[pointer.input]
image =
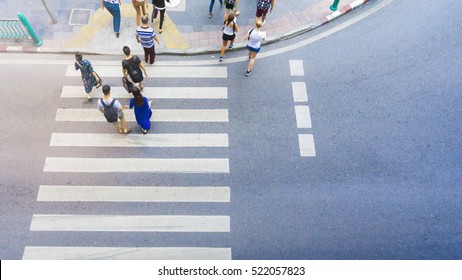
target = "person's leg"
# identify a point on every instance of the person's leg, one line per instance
(117, 127)
(146, 54)
(125, 128)
(252, 55)
(263, 17)
(152, 54)
(223, 47)
(162, 15)
(116, 19)
(138, 13)
(212, 2)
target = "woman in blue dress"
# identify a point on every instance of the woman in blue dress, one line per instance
(143, 111)
(89, 77)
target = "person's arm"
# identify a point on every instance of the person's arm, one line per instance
(236, 27)
(157, 40)
(144, 69)
(102, 4)
(272, 6)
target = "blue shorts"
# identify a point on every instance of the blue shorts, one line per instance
(253, 49)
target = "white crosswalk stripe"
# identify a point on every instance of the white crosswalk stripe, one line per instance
(158, 115)
(205, 164)
(137, 165)
(154, 92)
(160, 72)
(130, 223)
(125, 253)
(137, 140)
(134, 193)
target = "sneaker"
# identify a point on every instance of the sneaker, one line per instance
(221, 58)
(144, 131)
(263, 23)
(231, 46)
(210, 15)
(247, 73)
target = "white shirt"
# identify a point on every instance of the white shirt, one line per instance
(255, 39)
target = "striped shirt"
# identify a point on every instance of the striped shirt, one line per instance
(146, 36)
(112, 1)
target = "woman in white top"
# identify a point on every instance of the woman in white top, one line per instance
(254, 38)
(229, 34)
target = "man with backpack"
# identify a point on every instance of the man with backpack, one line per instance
(113, 110)
(132, 66)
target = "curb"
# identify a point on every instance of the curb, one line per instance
(195, 51)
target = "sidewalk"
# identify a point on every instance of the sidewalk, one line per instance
(83, 26)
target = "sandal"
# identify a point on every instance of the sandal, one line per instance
(128, 130)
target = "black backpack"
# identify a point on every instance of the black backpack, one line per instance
(134, 71)
(110, 112)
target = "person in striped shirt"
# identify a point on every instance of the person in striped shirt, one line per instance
(146, 36)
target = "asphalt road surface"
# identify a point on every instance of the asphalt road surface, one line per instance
(344, 148)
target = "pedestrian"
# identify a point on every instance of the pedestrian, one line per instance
(233, 6)
(132, 66)
(146, 36)
(113, 111)
(230, 29)
(159, 6)
(140, 8)
(263, 6)
(254, 38)
(212, 3)
(90, 78)
(143, 110)
(113, 6)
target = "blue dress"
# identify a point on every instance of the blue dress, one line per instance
(142, 113)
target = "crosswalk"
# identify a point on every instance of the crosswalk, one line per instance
(209, 162)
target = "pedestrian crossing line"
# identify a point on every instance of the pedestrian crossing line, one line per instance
(207, 194)
(160, 71)
(125, 253)
(154, 92)
(138, 140)
(139, 165)
(130, 223)
(158, 115)
(303, 116)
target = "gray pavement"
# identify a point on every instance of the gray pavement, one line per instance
(83, 26)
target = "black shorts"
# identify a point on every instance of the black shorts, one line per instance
(227, 37)
(229, 6)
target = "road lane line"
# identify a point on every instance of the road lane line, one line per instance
(299, 92)
(137, 165)
(303, 116)
(130, 223)
(158, 115)
(139, 140)
(306, 144)
(125, 253)
(134, 193)
(296, 68)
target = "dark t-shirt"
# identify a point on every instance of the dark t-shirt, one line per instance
(133, 68)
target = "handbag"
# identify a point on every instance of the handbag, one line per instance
(98, 82)
(128, 85)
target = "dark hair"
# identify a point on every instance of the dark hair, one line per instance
(145, 19)
(78, 56)
(139, 100)
(126, 50)
(106, 89)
